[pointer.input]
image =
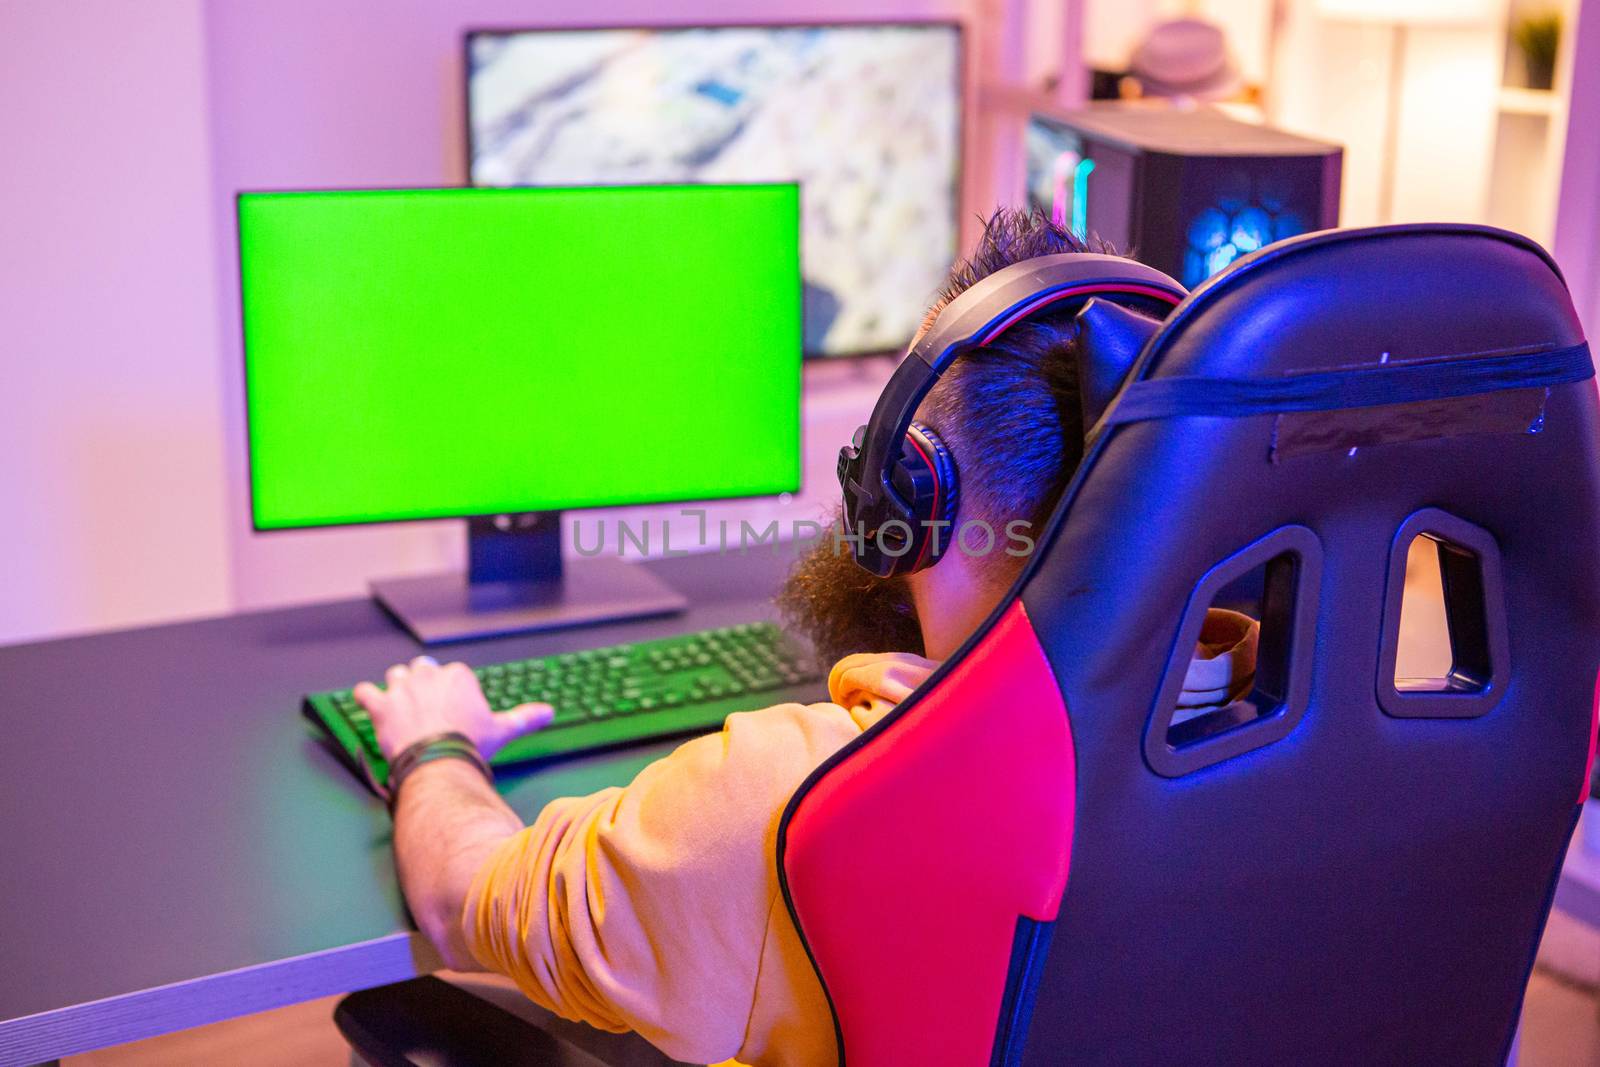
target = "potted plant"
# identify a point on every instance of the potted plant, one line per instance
(1537, 37)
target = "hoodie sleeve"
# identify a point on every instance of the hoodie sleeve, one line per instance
(646, 907)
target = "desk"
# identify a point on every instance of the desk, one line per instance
(179, 848)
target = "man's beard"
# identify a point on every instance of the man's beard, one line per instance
(843, 608)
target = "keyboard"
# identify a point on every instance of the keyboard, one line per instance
(611, 696)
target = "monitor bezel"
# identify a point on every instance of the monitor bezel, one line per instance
(964, 105)
(244, 355)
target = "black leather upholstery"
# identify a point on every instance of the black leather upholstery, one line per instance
(1367, 889)
(476, 1022)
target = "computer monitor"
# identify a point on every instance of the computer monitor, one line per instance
(865, 116)
(503, 354)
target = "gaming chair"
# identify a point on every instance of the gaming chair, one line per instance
(1028, 863)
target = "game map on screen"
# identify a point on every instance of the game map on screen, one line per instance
(867, 118)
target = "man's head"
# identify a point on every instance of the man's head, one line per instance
(1010, 414)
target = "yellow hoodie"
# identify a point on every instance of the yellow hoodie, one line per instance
(655, 906)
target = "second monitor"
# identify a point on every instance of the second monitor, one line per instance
(483, 353)
(865, 116)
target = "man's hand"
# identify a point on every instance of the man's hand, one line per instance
(424, 698)
(448, 819)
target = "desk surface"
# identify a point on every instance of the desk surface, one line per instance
(176, 838)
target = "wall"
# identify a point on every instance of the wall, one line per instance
(1330, 79)
(1114, 28)
(1333, 82)
(112, 479)
(1577, 244)
(128, 128)
(1470, 148)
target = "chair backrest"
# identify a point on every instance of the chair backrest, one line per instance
(1356, 871)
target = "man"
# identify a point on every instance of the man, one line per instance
(655, 906)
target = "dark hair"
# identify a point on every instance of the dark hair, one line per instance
(1010, 414)
(1010, 411)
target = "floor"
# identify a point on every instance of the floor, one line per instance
(302, 1035)
(1559, 1027)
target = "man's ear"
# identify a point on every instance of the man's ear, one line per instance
(1110, 338)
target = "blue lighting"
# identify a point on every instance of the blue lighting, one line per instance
(1233, 228)
(1251, 229)
(1209, 229)
(1080, 199)
(1220, 257)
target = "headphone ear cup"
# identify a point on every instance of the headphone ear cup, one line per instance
(944, 472)
(927, 464)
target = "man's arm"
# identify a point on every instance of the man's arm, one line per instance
(448, 819)
(648, 907)
(447, 823)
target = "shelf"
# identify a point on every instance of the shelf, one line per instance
(1515, 100)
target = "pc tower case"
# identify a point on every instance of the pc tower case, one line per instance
(1185, 190)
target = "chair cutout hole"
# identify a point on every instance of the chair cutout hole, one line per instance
(1231, 687)
(1240, 671)
(1445, 650)
(1443, 643)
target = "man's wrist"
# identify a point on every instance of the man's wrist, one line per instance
(449, 747)
(454, 773)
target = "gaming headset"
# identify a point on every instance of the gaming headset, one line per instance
(901, 487)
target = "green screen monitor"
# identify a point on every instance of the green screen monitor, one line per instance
(479, 353)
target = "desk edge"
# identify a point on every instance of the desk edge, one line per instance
(59, 1032)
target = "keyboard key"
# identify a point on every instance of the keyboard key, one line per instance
(567, 714)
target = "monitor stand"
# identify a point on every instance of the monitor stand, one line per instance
(517, 582)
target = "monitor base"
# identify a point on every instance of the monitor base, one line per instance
(440, 608)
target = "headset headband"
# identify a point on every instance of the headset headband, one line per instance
(973, 319)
